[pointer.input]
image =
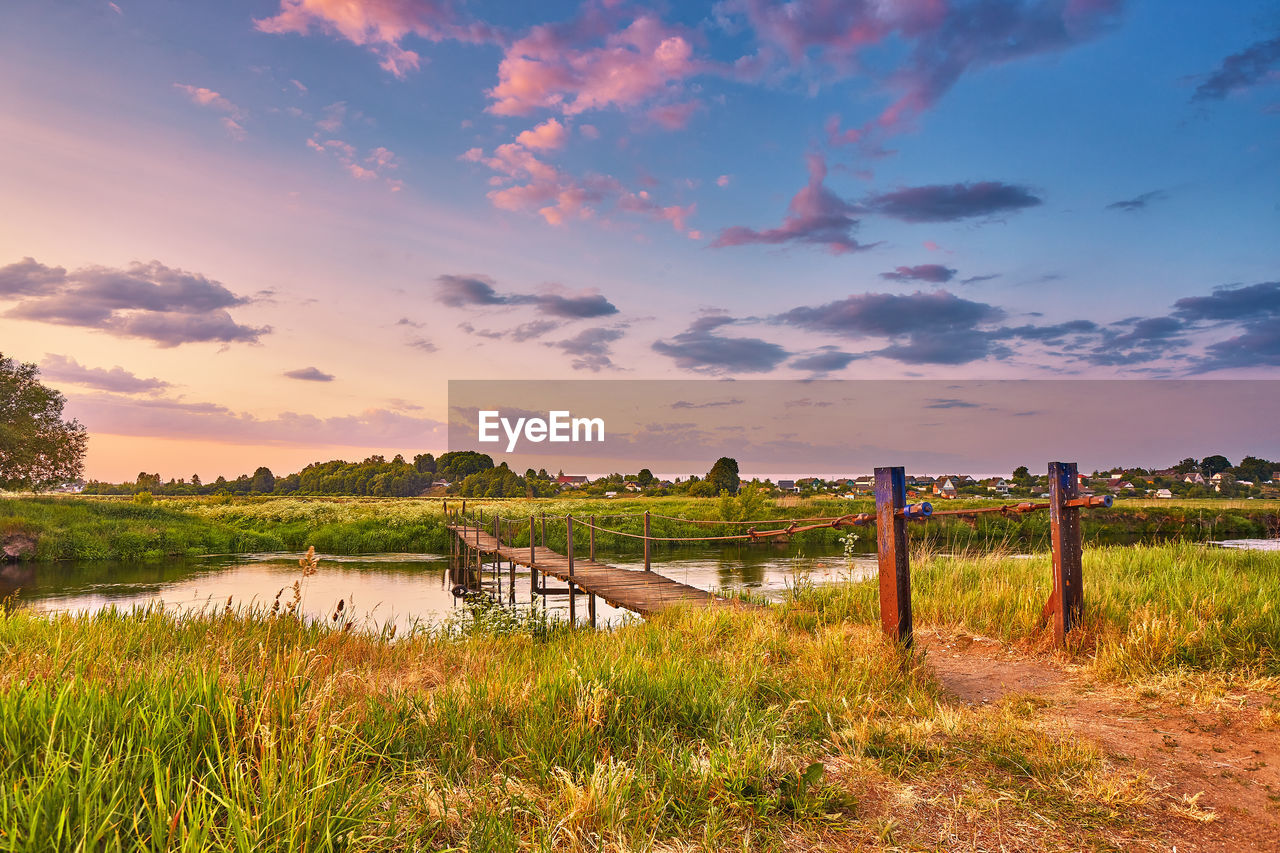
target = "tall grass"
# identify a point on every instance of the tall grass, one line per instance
(1148, 609)
(699, 730)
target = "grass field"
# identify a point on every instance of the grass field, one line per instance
(783, 729)
(101, 528)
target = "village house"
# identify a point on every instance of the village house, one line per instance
(1164, 493)
(1194, 477)
(787, 486)
(573, 481)
(998, 485)
(632, 486)
(945, 489)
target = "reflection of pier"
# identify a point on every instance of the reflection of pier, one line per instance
(642, 592)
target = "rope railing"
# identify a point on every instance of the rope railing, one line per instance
(912, 512)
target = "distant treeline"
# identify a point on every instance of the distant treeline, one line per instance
(375, 476)
(467, 473)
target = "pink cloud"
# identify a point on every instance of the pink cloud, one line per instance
(941, 41)
(380, 25)
(551, 69)
(550, 134)
(375, 164)
(208, 98)
(674, 116)
(723, 181)
(815, 216)
(203, 97)
(590, 131)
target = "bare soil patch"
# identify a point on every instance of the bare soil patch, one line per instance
(1214, 765)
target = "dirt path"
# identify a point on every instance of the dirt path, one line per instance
(1216, 768)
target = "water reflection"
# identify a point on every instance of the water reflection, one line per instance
(399, 589)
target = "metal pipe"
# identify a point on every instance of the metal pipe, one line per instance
(920, 510)
(1103, 501)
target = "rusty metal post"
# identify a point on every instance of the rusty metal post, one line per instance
(1064, 537)
(895, 562)
(533, 566)
(568, 525)
(646, 541)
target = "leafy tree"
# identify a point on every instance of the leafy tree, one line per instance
(459, 464)
(1186, 466)
(263, 481)
(723, 476)
(1021, 475)
(195, 480)
(1216, 464)
(645, 478)
(425, 463)
(38, 449)
(1255, 470)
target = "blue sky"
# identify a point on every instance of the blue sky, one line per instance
(280, 227)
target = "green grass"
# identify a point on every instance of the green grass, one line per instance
(1148, 609)
(704, 731)
(795, 727)
(106, 528)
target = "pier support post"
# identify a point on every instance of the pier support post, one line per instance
(891, 546)
(533, 568)
(568, 525)
(1064, 538)
(544, 529)
(646, 541)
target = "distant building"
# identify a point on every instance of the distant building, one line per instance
(945, 489)
(573, 481)
(999, 485)
(631, 486)
(1194, 477)
(787, 486)
(1164, 493)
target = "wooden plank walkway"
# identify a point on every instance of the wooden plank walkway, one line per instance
(633, 589)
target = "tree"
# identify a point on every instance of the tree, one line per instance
(723, 475)
(195, 480)
(38, 449)
(1021, 475)
(1186, 466)
(425, 463)
(644, 478)
(1256, 470)
(263, 481)
(1211, 465)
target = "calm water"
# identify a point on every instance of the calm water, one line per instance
(387, 588)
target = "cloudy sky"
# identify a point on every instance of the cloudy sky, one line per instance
(268, 232)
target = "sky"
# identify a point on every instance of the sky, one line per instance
(271, 232)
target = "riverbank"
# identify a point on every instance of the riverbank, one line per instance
(793, 728)
(64, 528)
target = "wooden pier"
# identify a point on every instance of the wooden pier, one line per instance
(637, 590)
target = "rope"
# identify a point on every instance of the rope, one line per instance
(752, 534)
